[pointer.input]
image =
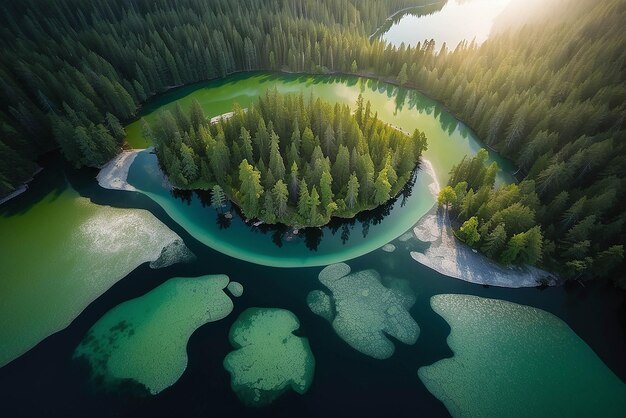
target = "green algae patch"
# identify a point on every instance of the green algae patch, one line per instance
(514, 360)
(365, 312)
(144, 340)
(63, 252)
(269, 358)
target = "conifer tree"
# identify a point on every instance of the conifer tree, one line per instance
(281, 197)
(352, 193)
(218, 198)
(251, 189)
(303, 200)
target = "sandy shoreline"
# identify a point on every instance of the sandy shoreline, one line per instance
(448, 256)
(114, 173)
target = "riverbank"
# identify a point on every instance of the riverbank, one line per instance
(379, 30)
(115, 173)
(21, 189)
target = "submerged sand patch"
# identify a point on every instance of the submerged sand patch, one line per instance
(363, 312)
(512, 360)
(268, 358)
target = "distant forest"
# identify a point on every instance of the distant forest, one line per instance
(550, 95)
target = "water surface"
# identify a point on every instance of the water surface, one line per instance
(448, 142)
(46, 380)
(457, 20)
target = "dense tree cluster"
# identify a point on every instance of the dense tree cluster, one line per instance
(67, 63)
(288, 159)
(506, 222)
(501, 222)
(550, 95)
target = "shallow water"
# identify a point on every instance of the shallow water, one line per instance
(514, 360)
(448, 141)
(47, 380)
(61, 252)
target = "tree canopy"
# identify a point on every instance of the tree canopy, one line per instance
(340, 162)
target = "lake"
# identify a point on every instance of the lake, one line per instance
(450, 22)
(321, 335)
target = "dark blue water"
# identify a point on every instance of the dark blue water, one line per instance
(46, 382)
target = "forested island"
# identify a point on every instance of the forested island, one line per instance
(548, 96)
(288, 159)
(314, 208)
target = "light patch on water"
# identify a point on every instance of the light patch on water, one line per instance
(458, 20)
(144, 340)
(320, 304)
(268, 358)
(405, 237)
(63, 253)
(514, 360)
(388, 248)
(366, 312)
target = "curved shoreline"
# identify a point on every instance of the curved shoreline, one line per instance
(395, 14)
(114, 174)
(450, 257)
(20, 189)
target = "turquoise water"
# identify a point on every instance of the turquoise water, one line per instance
(514, 360)
(362, 341)
(144, 340)
(448, 142)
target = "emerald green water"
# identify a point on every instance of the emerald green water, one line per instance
(62, 253)
(74, 256)
(448, 142)
(268, 357)
(513, 360)
(448, 139)
(145, 339)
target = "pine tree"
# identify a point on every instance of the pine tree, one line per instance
(402, 76)
(294, 187)
(352, 192)
(303, 200)
(314, 203)
(218, 198)
(308, 143)
(341, 168)
(114, 126)
(326, 193)
(495, 242)
(197, 115)
(513, 248)
(281, 197)
(189, 169)
(250, 190)
(276, 160)
(354, 67)
(246, 144)
(533, 245)
(329, 141)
